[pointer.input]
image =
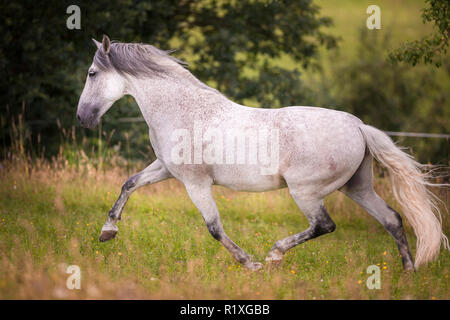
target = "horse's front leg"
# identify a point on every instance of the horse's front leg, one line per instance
(202, 197)
(155, 172)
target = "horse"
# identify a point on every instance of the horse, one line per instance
(315, 151)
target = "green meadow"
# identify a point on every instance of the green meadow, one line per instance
(51, 216)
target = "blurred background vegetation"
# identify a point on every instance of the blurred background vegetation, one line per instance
(264, 54)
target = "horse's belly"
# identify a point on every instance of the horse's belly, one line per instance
(244, 178)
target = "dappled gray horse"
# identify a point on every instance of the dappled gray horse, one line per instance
(314, 151)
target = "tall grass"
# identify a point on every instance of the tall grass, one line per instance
(52, 210)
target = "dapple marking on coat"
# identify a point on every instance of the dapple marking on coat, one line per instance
(320, 151)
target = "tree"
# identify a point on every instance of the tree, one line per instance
(394, 97)
(433, 47)
(44, 64)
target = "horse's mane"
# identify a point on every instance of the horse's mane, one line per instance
(136, 59)
(143, 60)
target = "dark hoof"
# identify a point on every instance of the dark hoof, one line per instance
(107, 235)
(408, 265)
(409, 269)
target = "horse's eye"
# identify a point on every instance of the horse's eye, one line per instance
(92, 73)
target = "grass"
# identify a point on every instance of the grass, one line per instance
(52, 213)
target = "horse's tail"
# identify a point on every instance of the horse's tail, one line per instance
(409, 184)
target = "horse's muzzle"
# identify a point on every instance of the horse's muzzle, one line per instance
(89, 120)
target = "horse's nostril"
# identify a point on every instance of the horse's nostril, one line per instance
(78, 117)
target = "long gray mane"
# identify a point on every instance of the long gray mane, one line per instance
(141, 60)
(136, 59)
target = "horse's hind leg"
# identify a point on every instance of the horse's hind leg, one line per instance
(319, 223)
(155, 172)
(202, 197)
(360, 189)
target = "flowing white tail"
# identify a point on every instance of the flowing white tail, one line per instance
(409, 184)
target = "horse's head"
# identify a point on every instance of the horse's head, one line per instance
(103, 87)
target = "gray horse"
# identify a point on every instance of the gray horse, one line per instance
(314, 151)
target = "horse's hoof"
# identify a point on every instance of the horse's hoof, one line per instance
(409, 269)
(274, 256)
(254, 266)
(273, 264)
(107, 235)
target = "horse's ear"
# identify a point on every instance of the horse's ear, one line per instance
(106, 44)
(98, 44)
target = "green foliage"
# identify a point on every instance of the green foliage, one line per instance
(256, 52)
(432, 48)
(394, 97)
(43, 64)
(274, 87)
(243, 34)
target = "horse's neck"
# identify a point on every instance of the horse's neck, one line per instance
(165, 100)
